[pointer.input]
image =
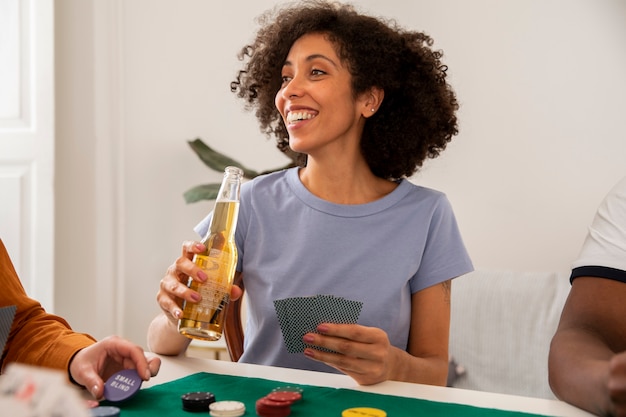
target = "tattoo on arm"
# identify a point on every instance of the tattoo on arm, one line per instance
(447, 289)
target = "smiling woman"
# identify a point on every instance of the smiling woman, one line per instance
(532, 114)
(364, 103)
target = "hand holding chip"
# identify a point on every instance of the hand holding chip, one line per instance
(101, 360)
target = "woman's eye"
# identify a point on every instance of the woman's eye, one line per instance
(285, 79)
(317, 72)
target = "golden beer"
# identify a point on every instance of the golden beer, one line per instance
(205, 320)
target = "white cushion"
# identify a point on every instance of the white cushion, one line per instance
(501, 327)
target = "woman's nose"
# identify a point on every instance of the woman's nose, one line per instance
(294, 88)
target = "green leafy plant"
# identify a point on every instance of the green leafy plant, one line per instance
(218, 162)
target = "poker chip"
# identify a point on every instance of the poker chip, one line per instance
(363, 412)
(289, 388)
(122, 385)
(227, 409)
(197, 401)
(266, 407)
(266, 401)
(278, 402)
(289, 396)
(104, 411)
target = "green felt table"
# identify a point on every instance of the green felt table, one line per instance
(165, 399)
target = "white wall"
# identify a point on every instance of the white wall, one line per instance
(542, 87)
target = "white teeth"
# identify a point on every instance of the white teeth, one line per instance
(296, 116)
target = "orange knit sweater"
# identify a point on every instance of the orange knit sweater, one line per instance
(36, 337)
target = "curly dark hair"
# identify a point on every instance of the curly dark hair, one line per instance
(416, 119)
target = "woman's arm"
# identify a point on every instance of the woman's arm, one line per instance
(365, 354)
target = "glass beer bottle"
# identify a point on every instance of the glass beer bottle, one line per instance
(205, 320)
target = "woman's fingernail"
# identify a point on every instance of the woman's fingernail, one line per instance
(322, 328)
(308, 338)
(195, 297)
(309, 353)
(177, 313)
(199, 246)
(147, 374)
(203, 277)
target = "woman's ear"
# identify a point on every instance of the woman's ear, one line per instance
(372, 101)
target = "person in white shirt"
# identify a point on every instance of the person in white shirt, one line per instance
(587, 361)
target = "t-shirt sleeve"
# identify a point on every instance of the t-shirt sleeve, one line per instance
(603, 253)
(203, 227)
(445, 256)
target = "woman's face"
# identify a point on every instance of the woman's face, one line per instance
(316, 100)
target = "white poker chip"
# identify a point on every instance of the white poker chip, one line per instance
(227, 409)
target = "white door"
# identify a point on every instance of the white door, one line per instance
(27, 142)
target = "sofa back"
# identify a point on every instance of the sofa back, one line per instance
(501, 326)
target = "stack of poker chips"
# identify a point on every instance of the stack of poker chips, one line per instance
(278, 402)
(197, 401)
(227, 409)
(205, 401)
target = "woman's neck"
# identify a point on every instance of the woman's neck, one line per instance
(344, 184)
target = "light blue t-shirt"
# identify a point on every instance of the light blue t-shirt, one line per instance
(292, 243)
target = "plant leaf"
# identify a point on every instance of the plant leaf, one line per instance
(202, 192)
(269, 171)
(216, 160)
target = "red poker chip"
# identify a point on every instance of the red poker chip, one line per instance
(266, 407)
(273, 403)
(290, 396)
(276, 412)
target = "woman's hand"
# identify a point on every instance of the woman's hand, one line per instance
(163, 336)
(93, 365)
(363, 353)
(173, 288)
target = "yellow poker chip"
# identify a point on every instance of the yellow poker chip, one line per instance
(363, 412)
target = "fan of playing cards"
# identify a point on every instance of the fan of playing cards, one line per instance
(300, 315)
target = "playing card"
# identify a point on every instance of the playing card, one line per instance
(300, 315)
(6, 320)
